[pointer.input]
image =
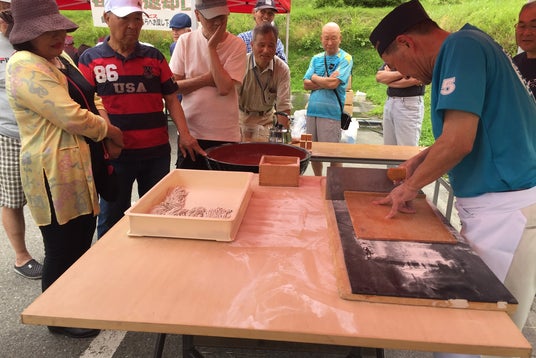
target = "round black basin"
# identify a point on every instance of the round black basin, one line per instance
(245, 157)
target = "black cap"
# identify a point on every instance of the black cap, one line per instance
(265, 4)
(396, 23)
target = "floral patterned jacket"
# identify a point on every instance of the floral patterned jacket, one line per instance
(54, 150)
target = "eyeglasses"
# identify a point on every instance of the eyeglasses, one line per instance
(520, 27)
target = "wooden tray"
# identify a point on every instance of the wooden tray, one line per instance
(369, 222)
(207, 188)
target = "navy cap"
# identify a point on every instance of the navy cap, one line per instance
(396, 23)
(265, 4)
(180, 21)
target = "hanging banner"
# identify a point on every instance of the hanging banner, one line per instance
(159, 11)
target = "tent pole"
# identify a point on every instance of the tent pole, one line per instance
(287, 33)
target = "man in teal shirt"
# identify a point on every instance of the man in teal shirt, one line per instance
(483, 118)
(328, 71)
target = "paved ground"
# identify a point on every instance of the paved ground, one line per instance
(18, 340)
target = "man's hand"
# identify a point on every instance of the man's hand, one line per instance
(189, 146)
(284, 121)
(283, 118)
(400, 199)
(113, 149)
(115, 135)
(219, 35)
(114, 141)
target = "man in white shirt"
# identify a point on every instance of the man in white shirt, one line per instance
(209, 63)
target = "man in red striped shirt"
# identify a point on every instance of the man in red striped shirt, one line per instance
(132, 79)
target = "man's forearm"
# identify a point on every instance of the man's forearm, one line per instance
(310, 86)
(189, 85)
(387, 77)
(222, 81)
(325, 82)
(405, 82)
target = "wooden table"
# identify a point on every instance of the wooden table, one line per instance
(362, 153)
(276, 281)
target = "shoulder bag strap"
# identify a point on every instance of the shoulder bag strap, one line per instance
(335, 90)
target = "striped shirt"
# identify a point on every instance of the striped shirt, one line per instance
(132, 90)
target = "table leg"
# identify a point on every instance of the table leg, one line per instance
(188, 348)
(159, 346)
(357, 352)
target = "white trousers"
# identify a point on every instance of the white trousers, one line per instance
(501, 229)
(402, 120)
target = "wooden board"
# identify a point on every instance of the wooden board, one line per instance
(411, 273)
(370, 222)
(362, 153)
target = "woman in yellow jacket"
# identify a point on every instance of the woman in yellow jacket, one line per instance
(55, 159)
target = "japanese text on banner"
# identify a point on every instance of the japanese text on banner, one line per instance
(159, 11)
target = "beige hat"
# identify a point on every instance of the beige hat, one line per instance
(33, 18)
(212, 8)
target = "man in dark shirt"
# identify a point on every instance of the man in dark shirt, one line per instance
(403, 111)
(526, 40)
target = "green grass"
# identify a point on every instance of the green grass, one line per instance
(496, 17)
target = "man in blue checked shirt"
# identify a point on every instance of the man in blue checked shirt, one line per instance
(264, 12)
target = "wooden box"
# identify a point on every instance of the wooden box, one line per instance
(277, 170)
(207, 189)
(306, 141)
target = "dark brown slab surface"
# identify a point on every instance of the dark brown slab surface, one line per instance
(412, 273)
